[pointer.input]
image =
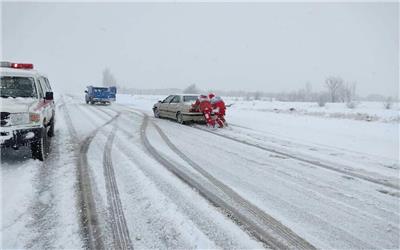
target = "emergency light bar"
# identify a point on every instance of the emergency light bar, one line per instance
(16, 65)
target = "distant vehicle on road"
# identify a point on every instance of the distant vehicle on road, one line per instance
(177, 107)
(27, 109)
(102, 95)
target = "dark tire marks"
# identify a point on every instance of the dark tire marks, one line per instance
(119, 227)
(257, 222)
(308, 161)
(91, 228)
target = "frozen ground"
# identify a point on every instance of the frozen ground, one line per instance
(378, 138)
(274, 178)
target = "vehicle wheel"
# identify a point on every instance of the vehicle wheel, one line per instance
(87, 102)
(91, 102)
(50, 133)
(179, 118)
(156, 113)
(40, 148)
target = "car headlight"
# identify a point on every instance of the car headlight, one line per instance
(34, 117)
(24, 118)
(19, 118)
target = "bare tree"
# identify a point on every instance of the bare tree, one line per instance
(248, 97)
(322, 98)
(108, 78)
(348, 95)
(191, 89)
(388, 103)
(334, 84)
(257, 95)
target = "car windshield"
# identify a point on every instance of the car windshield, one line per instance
(17, 87)
(99, 90)
(189, 98)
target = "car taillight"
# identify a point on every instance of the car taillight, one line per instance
(34, 117)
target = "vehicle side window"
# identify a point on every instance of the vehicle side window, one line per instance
(40, 89)
(168, 99)
(47, 84)
(44, 86)
(176, 99)
(189, 98)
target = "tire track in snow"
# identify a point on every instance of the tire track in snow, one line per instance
(257, 222)
(270, 231)
(276, 226)
(89, 219)
(312, 162)
(120, 232)
(206, 224)
(203, 184)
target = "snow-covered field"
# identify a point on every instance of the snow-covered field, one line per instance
(323, 177)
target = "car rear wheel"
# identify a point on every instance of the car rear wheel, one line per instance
(179, 118)
(156, 113)
(40, 148)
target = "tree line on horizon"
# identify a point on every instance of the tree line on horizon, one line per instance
(335, 90)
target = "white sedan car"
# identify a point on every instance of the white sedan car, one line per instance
(177, 107)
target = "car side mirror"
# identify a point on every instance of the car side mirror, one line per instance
(86, 91)
(49, 96)
(159, 101)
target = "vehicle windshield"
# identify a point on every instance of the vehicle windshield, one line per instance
(189, 98)
(12, 86)
(99, 90)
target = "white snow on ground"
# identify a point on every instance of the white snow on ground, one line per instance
(38, 199)
(161, 211)
(379, 139)
(368, 111)
(178, 214)
(328, 208)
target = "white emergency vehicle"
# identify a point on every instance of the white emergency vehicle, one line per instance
(27, 109)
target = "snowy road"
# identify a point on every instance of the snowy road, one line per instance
(119, 178)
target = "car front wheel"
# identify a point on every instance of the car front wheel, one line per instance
(51, 129)
(40, 148)
(156, 113)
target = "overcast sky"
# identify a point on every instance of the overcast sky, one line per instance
(237, 46)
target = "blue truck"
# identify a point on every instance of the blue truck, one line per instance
(113, 92)
(104, 95)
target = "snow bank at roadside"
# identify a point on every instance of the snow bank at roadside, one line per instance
(364, 111)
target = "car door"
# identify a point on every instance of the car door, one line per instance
(173, 106)
(41, 101)
(52, 105)
(164, 106)
(45, 104)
